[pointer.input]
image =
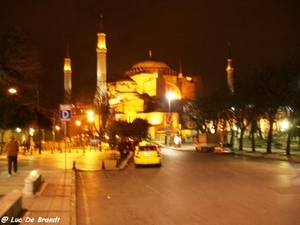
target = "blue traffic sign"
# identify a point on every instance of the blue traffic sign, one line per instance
(65, 113)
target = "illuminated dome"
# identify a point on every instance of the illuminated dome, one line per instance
(150, 66)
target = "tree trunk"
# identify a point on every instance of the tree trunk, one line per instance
(259, 132)
(253, 125)
(232, 137)
(270, 135)
(2, 143)
(288, 143)
(241, 139)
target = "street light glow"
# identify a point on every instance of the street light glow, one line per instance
(31, 131)
(90, 115)
(170, 95)
(78, 123)
(12, 90)
(284, 125)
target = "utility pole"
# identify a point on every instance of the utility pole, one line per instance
(39, 127)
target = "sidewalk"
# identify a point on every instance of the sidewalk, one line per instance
(56, 198)
(277, 154)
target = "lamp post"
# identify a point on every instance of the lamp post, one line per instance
(39, 127)
(14, 91)
(169, 96)
(78, 125)
(57, 128)
(91, 121)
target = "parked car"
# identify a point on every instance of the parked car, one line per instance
(207, 141)
(223, 149)
(147, 155)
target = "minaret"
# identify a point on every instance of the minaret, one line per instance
(230, 70)
(100, 95)
(180, 70)
(67, 77)
(150, 54)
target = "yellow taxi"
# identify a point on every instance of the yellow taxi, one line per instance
(147, 155)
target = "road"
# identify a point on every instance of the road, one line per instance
(192, 188)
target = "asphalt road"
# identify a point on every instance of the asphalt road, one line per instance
(192, 188)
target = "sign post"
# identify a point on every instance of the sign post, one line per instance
(65, 113)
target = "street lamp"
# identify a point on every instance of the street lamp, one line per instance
(12, 90)
(170, 96)
(78, 125)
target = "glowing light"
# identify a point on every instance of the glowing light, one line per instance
(234, 128)
(189, 79)
(155, 121)
(101, 41)
(170, 95)
(67, 66)
(177, 140)
(90, 115)
(31, 131)
(78, 123)
(18, 129)
(33, 173)
(12, 90)
(284, 125)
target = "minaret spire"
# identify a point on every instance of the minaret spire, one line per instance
(230, 70)
(67, 77)
(150, 54)
(100, 95)
(101, 27)
(180, 70)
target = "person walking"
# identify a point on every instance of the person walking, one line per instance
(121, 149)
(12, 149)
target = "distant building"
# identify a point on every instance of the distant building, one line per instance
(143, 91)
(143, 94)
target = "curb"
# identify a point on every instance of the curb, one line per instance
(73, 200)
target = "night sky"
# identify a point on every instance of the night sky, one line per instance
(196, 31)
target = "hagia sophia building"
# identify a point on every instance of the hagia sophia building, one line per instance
(147, 91)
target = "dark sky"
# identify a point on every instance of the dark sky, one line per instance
(197, 31)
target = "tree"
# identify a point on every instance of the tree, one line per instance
(19, 68)
(273, 91)
(193, 116)
(140, 128)
(137, 129)
(13, 114)
(215, 108)
(243, 108)
(290, 69)
(19, 63)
